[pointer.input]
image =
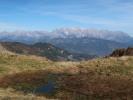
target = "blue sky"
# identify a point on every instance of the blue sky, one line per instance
(115, 15)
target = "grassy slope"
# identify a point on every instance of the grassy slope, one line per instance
(100, 78)
(10, 94)
(12, 63)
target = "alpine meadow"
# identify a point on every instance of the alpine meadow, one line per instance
(66, 50)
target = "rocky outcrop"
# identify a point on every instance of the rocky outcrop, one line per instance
(122, 52)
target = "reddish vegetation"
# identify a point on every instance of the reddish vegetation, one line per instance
(100, 85)
(122, 52)
(33, 78)
(86, 85)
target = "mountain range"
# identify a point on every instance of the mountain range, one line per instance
(74, 40)
(44, 50)
(85, 45)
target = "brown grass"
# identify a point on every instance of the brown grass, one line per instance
(98, 79)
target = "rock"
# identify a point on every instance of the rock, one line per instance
(122, 52)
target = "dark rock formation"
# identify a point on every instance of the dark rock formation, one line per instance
(122, 52)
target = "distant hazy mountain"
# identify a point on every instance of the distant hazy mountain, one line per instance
(24, 36)
(74, 40)
(43, 49)
(93, 33)
(88, 45)
(38, 36)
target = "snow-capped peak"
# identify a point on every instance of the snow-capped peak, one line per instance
(92, 33)
(38, 36)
